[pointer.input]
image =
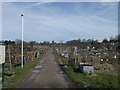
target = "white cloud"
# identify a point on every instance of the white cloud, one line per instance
(34, 5)
(60, 0)
(110, 0)
(46, 26)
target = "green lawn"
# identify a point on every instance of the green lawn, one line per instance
(13, 82)
(96, 81)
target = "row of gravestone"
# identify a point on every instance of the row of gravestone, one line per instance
(15, 57)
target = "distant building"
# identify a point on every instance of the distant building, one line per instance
(86, 67)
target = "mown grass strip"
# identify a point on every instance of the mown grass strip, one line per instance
(83, 80)
(100, 80)
(20, 74)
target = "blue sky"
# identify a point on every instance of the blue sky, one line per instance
(60, 20)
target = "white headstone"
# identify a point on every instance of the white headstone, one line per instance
(101, 59)
(115, 56)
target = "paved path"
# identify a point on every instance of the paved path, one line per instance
(48, 77)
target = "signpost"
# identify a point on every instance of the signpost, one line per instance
(2, 54)
(2, 60)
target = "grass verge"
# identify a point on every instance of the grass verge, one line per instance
(14, 81)
(99, 80)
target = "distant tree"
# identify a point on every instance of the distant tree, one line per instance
(84, 40)
(53, 42)
(89, 40)
(18, 41)
(105, 41)
(46, 43)
(9, 42)
(32, 43)
(112, 40)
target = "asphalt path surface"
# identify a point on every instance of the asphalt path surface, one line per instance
(47, 74)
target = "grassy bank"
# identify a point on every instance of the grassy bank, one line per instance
(20, 74)
(99, 80)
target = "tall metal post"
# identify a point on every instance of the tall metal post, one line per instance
(2, 72)
(22, 40)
